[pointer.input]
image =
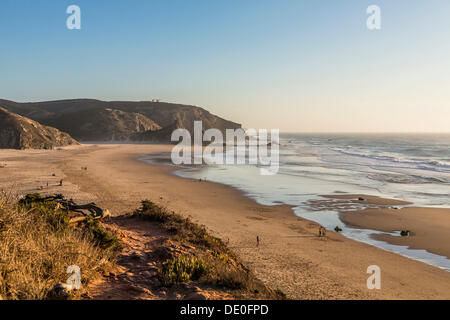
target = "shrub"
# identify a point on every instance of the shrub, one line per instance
(153, 212)
(46, 207)
(102, 238)
(181, 269)
(234, 279)
(242, 280)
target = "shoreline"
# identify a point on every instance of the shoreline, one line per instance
(435, 251)
(426, 234)
(291, 256)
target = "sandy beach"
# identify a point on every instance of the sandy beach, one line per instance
(291, 256)
(429, 226)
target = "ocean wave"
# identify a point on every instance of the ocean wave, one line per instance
(436, 165)
(402, 178)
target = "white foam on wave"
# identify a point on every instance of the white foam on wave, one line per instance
(424, 164)
(388, 173)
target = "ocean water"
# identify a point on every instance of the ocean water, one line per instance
(410, 167)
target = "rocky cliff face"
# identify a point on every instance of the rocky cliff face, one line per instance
(17, 132)
(155, 136)
(104, 124)
(72, 116)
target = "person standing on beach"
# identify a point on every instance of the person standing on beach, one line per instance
(322, 231)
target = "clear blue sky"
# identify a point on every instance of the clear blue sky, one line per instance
(294, 65)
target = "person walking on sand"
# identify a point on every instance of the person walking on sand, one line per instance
(322, 231)
(257, 241)
(61, 182)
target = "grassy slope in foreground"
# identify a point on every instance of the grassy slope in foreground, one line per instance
(37, 243)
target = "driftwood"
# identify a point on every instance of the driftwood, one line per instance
(90, 207)
(94, 211)
(87, 210)
(79, 219)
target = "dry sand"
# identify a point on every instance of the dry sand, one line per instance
(291, 256)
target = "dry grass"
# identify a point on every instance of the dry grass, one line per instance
(38, 244)
(35, 252)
